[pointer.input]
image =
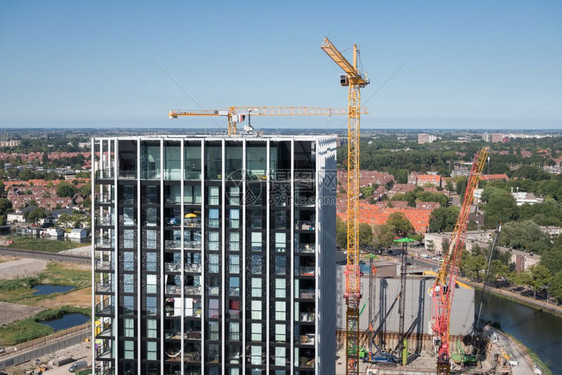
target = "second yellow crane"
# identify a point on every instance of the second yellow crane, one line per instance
(355, 80)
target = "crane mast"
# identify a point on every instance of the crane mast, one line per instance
(355, 80)
(443, 289)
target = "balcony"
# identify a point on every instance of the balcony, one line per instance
(173, 334)
(193, 335)
(105, 243)
(104, 265)
(192, 222)
(193, 268)
(172, 267)
(305, 225)
(105, 309)
(306, 317)
(105, 173)
(306, 362)
(192, 245)
(172, 244)
(306, 294)
(306, 248)
(104, 287)
(193, 290)
(306, 271)
(103, 199)
(173, 289)
(105, 221)
(307, 339)
(106, 332)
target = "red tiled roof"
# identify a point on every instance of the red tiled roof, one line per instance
(375, 215)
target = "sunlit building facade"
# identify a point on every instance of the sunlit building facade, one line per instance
(214, 255)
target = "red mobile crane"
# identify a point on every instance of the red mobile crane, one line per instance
(443, 289)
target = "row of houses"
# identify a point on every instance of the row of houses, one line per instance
(434, 243)
(74, 234)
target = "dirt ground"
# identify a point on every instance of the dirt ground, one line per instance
(15, 269)
(78, 298)
(80, 352)
(10, 312)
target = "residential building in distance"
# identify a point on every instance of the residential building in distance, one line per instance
(424, 179)
(214, 255)
(426, 138)
(10, 143)
(494, 138)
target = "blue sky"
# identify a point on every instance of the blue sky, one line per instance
(475, 64)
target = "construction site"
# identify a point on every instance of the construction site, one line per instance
(407, 321)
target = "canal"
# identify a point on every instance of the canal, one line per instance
(539, 331)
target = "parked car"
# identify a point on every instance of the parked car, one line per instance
(79, 365)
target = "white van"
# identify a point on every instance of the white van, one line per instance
(79, 365)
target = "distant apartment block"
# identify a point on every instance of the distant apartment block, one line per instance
(10, 143)
(214, 255)
(493, 138)
(426, 138)
(424, 179)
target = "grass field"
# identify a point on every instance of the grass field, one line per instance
(41, 244)
(31, 328)
(21, 290)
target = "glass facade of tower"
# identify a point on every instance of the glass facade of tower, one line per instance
(214, 255)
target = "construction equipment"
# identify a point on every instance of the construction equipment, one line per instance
(355, 80)
(236, 115)
(484, 294)
(403, 341)
(445, 283)
(461, 357)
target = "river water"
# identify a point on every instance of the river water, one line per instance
(539, 331)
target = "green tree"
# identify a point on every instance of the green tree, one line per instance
(540, 276)
(443, 219)
(449, 186)
(341, 233)
(382, 236)
(556, 286)
(5, 206)
(26, 175)
(365, 235)
(524, 235)
(500, 207)
(65, 189)
(401, 176)
(36, 214)
(399, 224)
(462, 181)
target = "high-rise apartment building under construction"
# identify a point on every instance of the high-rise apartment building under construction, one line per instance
(214, 255)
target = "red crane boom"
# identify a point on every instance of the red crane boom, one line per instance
(443, 289)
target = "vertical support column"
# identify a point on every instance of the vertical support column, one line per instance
(115, 275)
(162, 283)
(222, 201)
(317, 249)
(182, 257)
(138, 290)
(93, 244)
(292, 202)
(244, 317)
(267, 257)
(203, 218)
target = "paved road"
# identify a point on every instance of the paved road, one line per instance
(44, 255)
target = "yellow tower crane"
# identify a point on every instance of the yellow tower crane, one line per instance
(236, 115)
(355, 80)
